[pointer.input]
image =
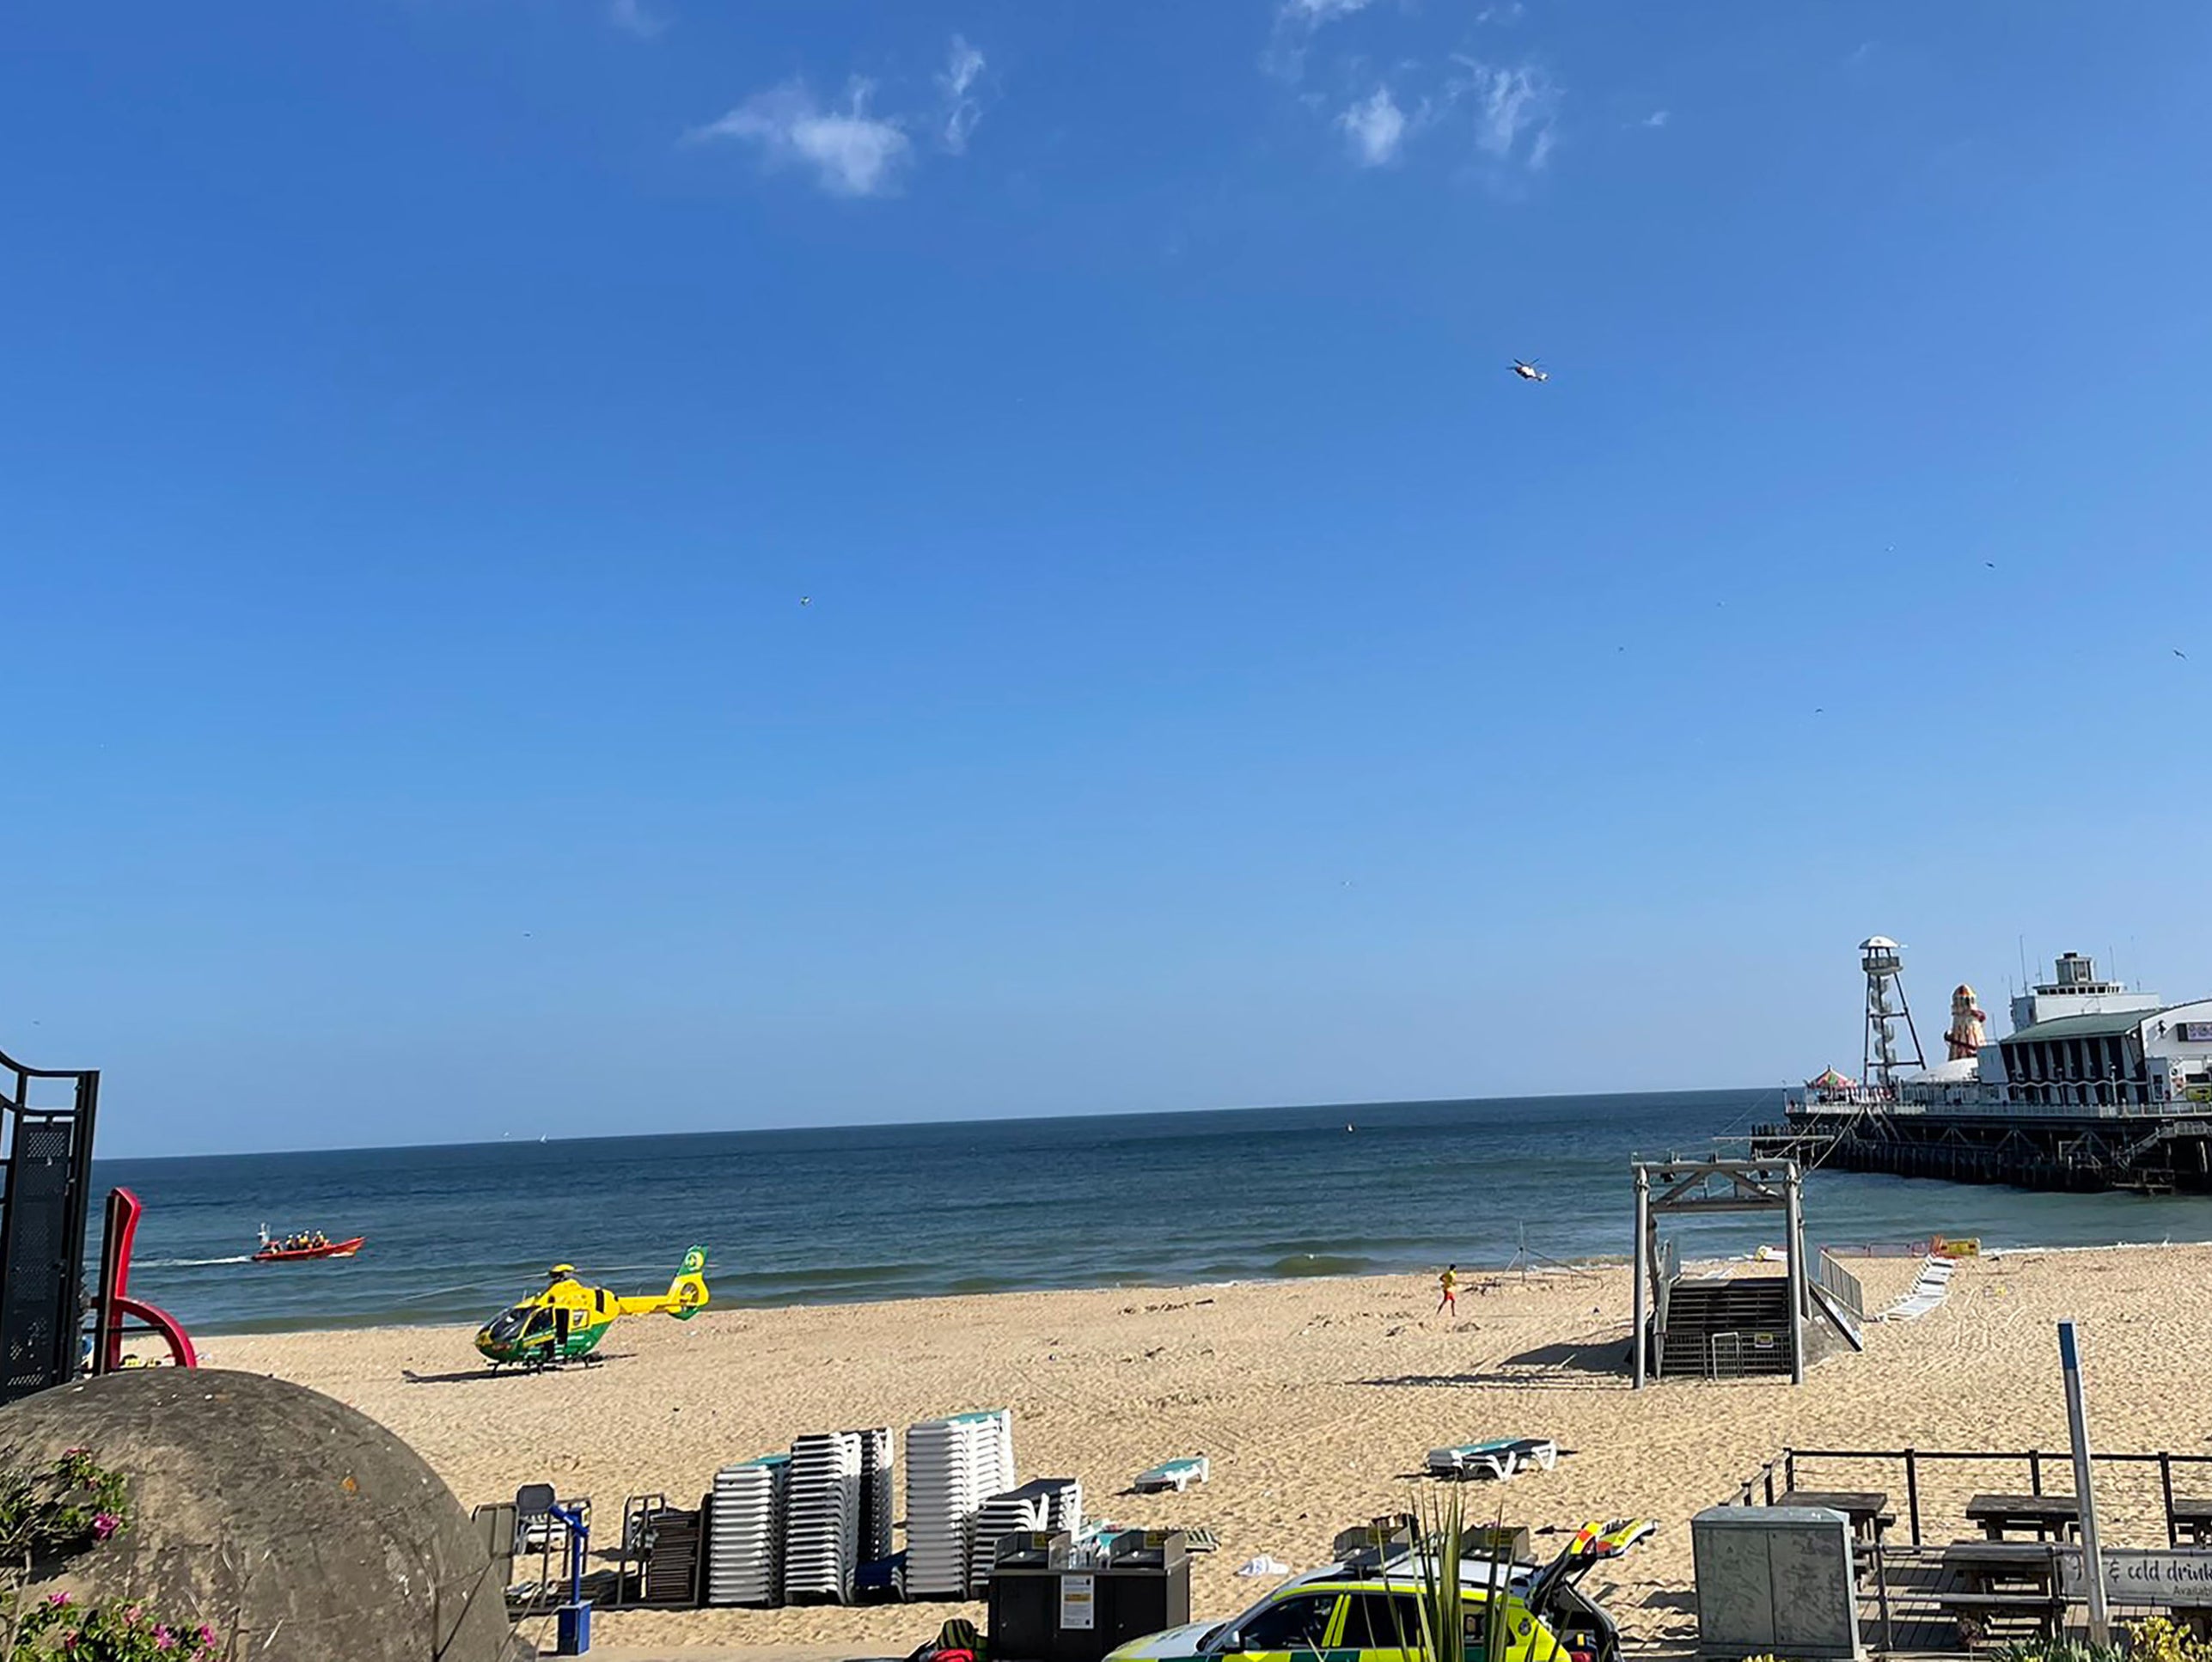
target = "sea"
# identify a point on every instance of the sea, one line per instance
(862, 1213)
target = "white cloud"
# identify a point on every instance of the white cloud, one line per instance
(632, 18)
(963, 65)
(851, 152)
(1375, 127)
(1510, 105)
(1657, 118)
(1296, 22)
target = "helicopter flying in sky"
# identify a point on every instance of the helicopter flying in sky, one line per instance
(1528, 371)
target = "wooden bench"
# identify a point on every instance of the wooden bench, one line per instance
(2049, 1517)
(2192, 1521)
(1991, 1565)
(1867, 1509)
(1972, 1610)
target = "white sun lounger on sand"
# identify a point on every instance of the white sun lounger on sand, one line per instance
(1538, 1451)
(1176, 1475)
(1501, 1457)
(1496, 1458)
(1927, 1292)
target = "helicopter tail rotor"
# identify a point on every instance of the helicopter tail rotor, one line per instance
(688, 1293)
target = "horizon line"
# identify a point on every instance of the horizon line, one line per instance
(898, 1125)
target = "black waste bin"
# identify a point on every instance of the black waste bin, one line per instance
(1022, 1598)
(1143, 1585)
(1050, 1603)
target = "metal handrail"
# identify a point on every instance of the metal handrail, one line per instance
(1841, 1285)
(1763, 1481)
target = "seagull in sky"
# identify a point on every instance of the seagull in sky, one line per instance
(2179, 653)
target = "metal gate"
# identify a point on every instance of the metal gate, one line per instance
(47, 1160)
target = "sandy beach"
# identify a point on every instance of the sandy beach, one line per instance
(1316, 1401)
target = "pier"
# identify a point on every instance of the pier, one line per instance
(2099, 1086)
(2155, 1150)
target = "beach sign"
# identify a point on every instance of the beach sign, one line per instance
(1079, 1602)
(2177, 1578)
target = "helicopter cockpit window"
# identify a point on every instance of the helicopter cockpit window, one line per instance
(507, 1327)
(540, 1321)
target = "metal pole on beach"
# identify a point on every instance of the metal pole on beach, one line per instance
(1642, 1271)
(2077, 1427)
(1794, 1218)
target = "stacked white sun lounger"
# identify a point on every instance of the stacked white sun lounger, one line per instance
(1065, 1516)
(953, 1465)
(821, 1537)
(1499, 1457)
(745, 1531)
(1043, 1503)
(876, 1507)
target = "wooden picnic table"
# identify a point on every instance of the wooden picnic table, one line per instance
(2049, 1517)
(1989, 1581)
(1987, 1566)
(1867, 1509)
(2192, 1521)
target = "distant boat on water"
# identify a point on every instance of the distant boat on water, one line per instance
(293, 1248)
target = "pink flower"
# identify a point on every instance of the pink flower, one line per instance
(163, 1639)
(104, 1524)
(57, 1601)
(205, 1635)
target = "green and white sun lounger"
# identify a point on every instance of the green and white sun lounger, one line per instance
(1176, 1475)
(1538, 1451)
(1496, 1459)
(1499, 1457)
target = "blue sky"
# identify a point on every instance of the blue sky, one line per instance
(1222, 681)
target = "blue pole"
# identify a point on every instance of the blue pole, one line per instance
(574, 1619)
(2077, 1427)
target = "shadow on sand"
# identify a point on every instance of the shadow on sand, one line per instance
(1571, 1365)
(474, 1376)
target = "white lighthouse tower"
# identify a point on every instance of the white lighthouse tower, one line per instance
(1878, 956)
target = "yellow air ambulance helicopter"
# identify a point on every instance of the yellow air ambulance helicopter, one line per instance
(566, 1323)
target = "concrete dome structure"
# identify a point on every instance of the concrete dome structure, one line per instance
(274, 1514)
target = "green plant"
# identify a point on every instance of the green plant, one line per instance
(2161, 1639)
(1440, 1525)
(2061, 1650)
(56, 1627)
(70, 1507)
(1440, 1555)
(73, 1504)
